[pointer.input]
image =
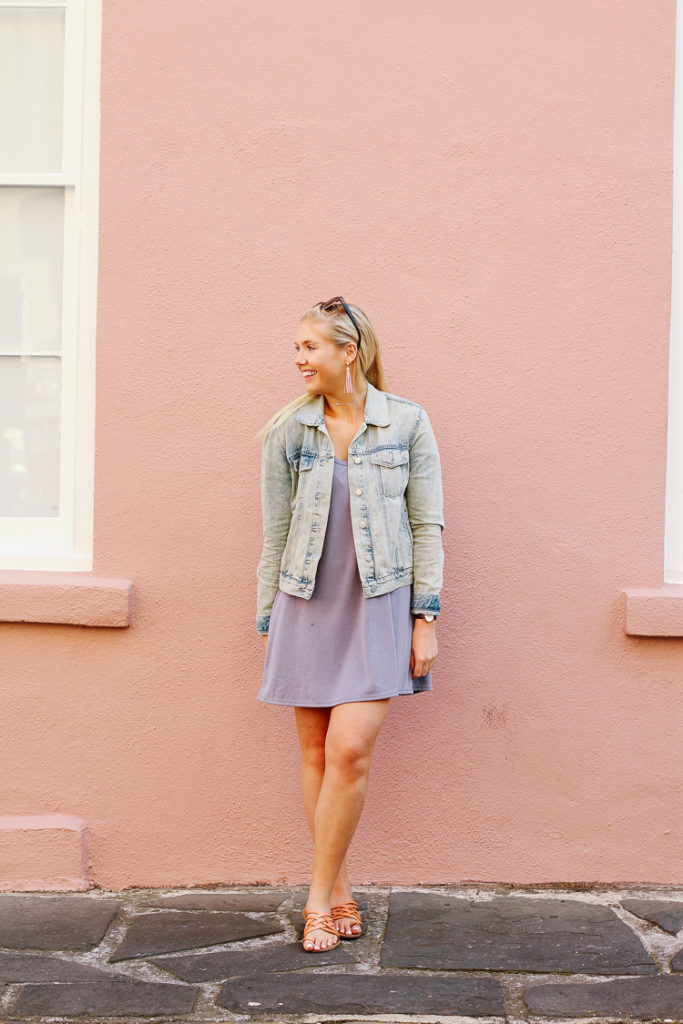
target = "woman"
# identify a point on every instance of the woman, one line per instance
(348, 581)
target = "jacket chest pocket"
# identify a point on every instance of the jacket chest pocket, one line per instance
(392, 466)
(305, 461)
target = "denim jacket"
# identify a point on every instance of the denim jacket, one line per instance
(396, 500)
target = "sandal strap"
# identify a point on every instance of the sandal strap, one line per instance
(348, 909)
(316, 921)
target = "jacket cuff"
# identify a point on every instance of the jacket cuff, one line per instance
(262, 624)
(425, 603)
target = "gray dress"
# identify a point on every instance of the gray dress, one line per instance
(339, 646)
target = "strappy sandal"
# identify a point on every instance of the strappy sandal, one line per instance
(321, 922)
(348, 909)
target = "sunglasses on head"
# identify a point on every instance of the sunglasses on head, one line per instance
(331, 304)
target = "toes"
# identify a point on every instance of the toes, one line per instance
(348, 928)
(320, 943)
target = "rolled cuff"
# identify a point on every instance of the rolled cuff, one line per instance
(425, 603)
(262, 624)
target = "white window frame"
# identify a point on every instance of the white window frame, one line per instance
(65, 542)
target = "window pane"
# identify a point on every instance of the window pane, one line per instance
(29, 435)
(31, 260)
(31, 89)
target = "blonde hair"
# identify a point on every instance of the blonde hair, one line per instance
(337, 327)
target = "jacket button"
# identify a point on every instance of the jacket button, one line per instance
(358, 491)
(368, 558)
(357, 459)
(363, 524)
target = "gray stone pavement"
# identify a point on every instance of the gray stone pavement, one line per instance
(473, 953)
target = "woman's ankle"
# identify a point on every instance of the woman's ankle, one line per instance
(319, 900)
(340, 894)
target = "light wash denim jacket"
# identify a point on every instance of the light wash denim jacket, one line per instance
(395, 493)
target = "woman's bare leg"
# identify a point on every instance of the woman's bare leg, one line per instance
(334, 781)
(312, 724)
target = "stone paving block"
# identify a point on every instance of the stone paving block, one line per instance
(269, 959)
(362, 993)
(429, 930)
(169, 931)
(666, 914)
(642, 998)
(29, 967)
(249, 901)
(677, 961)
(108, 998)
(54, 922)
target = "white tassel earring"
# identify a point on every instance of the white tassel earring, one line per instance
(348, 385)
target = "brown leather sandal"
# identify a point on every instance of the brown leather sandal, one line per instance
(321, 922)
(348, 909)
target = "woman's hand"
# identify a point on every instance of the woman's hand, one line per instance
(424, 648)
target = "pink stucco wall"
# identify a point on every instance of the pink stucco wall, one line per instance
(491, 182)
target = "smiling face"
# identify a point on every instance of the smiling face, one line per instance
(321, 363)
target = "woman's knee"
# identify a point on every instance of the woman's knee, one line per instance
(313, 756)
(348, 755)
(312, 725)
(351, 736)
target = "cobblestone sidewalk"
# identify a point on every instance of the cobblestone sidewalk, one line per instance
(490, 954)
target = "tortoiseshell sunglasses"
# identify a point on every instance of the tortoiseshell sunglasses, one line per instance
(338, 300)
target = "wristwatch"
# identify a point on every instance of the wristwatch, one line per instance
(427, 618)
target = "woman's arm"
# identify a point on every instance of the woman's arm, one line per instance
(276, 507)
(424, 500)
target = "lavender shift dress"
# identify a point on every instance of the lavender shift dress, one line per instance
(339, 646)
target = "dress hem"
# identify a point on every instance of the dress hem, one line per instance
(350, 700)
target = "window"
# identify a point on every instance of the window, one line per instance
(49, 145)
(673, 534)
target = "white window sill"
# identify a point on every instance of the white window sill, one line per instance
(71, 598)
(654, 612)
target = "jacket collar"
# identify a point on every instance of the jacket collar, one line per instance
(376, 409)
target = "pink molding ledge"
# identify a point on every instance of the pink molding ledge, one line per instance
(655, 612)
(72, 598)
